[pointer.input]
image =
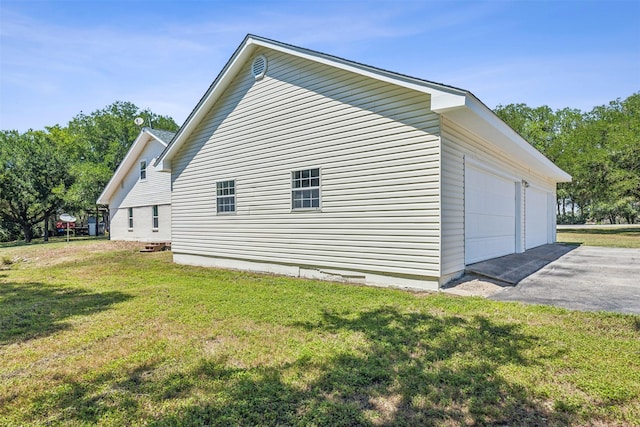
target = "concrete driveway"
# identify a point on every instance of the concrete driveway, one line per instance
(580, 278)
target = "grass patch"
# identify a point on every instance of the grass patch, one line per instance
(52, 240)
(99, 334)
(608, 237)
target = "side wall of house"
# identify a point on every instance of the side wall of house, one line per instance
(142, 230)
(460, 145)
(141, 195)
(377, 146)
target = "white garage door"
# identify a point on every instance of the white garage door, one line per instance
(536, 218)
(490, 215)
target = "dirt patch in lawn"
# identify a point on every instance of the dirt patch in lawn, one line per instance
(57, 253)
(473, 285)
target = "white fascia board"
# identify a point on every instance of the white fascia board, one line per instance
(156, 137)
(208, 100)
(129, 159)
(479, 119)
(447, 96)
(443, 97)
(163, 165)
(458, 104)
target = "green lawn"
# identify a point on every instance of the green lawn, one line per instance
(96, 333)
(52, 239)
(610, 237)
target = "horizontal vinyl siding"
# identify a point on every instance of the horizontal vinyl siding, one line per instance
(142, 230)
(155, 190)
(376, 144)
(457, 143)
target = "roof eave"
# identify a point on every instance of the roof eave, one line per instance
(442, 96)
(446, 100)
(134, 151)
(218, 86)
(479, 119)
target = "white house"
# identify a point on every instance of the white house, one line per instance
(305, 164)
(138, 194)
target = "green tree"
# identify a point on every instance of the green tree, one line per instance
(611, 170)
(33, 179)
(97, 143)
(600, 149)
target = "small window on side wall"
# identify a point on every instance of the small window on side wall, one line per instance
(305, 189)
(130, 218)
(226, 196)
(155, 217)
(143, 170)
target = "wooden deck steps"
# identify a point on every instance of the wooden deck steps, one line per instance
(156, 247)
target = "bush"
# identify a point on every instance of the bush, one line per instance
(570, 218)
(9, 232)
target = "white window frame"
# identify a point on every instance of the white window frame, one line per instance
(155, 217)
(130, 218)
(221, 197)
(310, 187)
(141, 170)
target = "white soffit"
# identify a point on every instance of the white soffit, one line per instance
(443, 96)
(480, 120)
(457, 104)
(127, 163)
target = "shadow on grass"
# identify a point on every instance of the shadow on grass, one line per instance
(32, 310)
(417, 369)
(414, 369)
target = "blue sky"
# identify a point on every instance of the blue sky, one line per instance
(58, 58)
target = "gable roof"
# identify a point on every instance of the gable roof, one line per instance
(458, 104)
(163, 136)
(144, 137)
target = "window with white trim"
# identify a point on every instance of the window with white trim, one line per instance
(143, 170)
(305, 189)
(226, 196)
(131, 218)
(155, 216)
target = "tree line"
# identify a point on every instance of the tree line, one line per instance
(600, 149)
(65, 168)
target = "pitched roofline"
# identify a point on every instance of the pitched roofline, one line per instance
(163, 136)
(146, 134)
(486, 123)
(442, 96)
(445, 100)
(198, 110)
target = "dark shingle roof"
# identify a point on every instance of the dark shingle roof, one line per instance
(163, 135)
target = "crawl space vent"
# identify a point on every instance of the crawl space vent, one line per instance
(259, 67)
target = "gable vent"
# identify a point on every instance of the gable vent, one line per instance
(259, 67)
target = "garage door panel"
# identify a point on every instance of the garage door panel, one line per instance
(488, 247)
(485, 226)
(536, 218)
(490, 221)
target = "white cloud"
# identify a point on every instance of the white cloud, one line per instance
(53, 69)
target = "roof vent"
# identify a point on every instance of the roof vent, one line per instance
(259, 67)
